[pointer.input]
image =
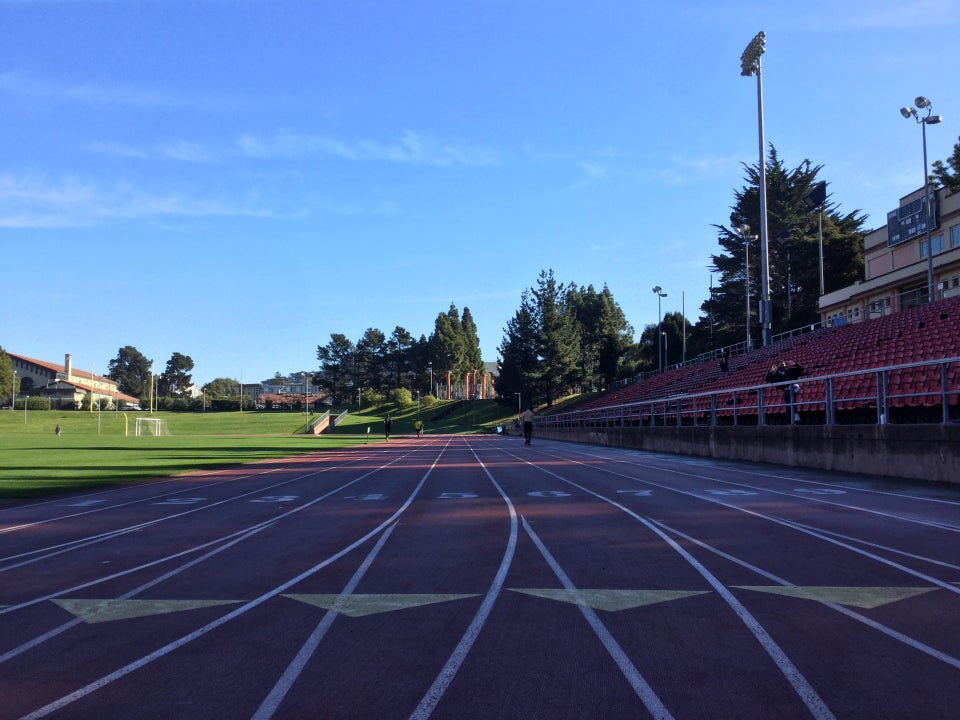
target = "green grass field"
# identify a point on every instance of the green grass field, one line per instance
(99, 449)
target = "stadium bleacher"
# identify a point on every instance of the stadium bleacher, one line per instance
(846, 353)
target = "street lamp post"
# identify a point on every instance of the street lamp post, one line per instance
(928, 119)
(744, 230)
(750, 65)
(665, 346)
(815, 199)
(430, 367)
(660, 295)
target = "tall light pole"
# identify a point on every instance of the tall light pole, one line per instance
(430, 366)
(815, 199)
(744, 233)
(660, 294)
(928, 210)
(750, 65)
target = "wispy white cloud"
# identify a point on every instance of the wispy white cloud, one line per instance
(107, 94)
(176, 150)
(685, 170)
(71, 202)
(595, 171)
(411, 148)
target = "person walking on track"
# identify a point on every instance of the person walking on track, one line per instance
(527, 418)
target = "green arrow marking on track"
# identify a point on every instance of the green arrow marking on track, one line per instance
(359, 605)
(610, 600)
(861, 597)
(98, 611)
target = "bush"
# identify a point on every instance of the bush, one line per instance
(371, 398)
(33, 403)
(401, 397)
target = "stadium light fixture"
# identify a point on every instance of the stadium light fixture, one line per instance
(660, 295)
(750, 65)
(928, 119)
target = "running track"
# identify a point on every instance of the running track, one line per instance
(473, 577)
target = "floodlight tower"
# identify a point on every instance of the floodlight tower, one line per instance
(750, 65)
(928, 216)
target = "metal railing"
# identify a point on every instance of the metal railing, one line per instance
(918, 392)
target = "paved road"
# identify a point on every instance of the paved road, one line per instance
(473, 577)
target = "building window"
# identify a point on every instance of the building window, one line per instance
(936, 241)
(955, 236)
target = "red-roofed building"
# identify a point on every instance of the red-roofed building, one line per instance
(64, 385)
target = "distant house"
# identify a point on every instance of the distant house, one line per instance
(65, 386)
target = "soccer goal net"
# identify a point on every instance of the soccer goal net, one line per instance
(151, 426)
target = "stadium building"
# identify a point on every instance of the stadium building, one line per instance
(896, 264)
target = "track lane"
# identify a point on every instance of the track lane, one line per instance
(537, 655)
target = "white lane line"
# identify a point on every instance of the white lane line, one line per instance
(885, 548)
(849, 489)
(84, 542)
(845, 506)
(770, 518)
(50, 634)
(640, 686)
(815, 704)
(888, 631)
(35, 523)
(436, 691)
(152, 498)
(90, 688)
(152, 563)
(283, 686)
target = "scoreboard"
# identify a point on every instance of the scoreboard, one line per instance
(910, 220)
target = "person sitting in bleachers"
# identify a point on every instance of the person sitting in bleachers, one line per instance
(782, 374)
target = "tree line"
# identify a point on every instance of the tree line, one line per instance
(376, 364)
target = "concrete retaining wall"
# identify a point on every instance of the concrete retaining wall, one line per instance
(919, 452)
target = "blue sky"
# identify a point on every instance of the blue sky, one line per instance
(235, 180)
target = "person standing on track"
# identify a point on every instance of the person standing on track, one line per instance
(387, 425)
(527, 418)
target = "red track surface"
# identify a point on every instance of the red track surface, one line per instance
(473, 577)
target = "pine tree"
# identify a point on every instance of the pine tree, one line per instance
(793, 251)
(949, 179)
(518, 372)
(604, 332)
(559, 338)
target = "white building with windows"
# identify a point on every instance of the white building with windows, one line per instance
(895, 262)
(65, 385)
